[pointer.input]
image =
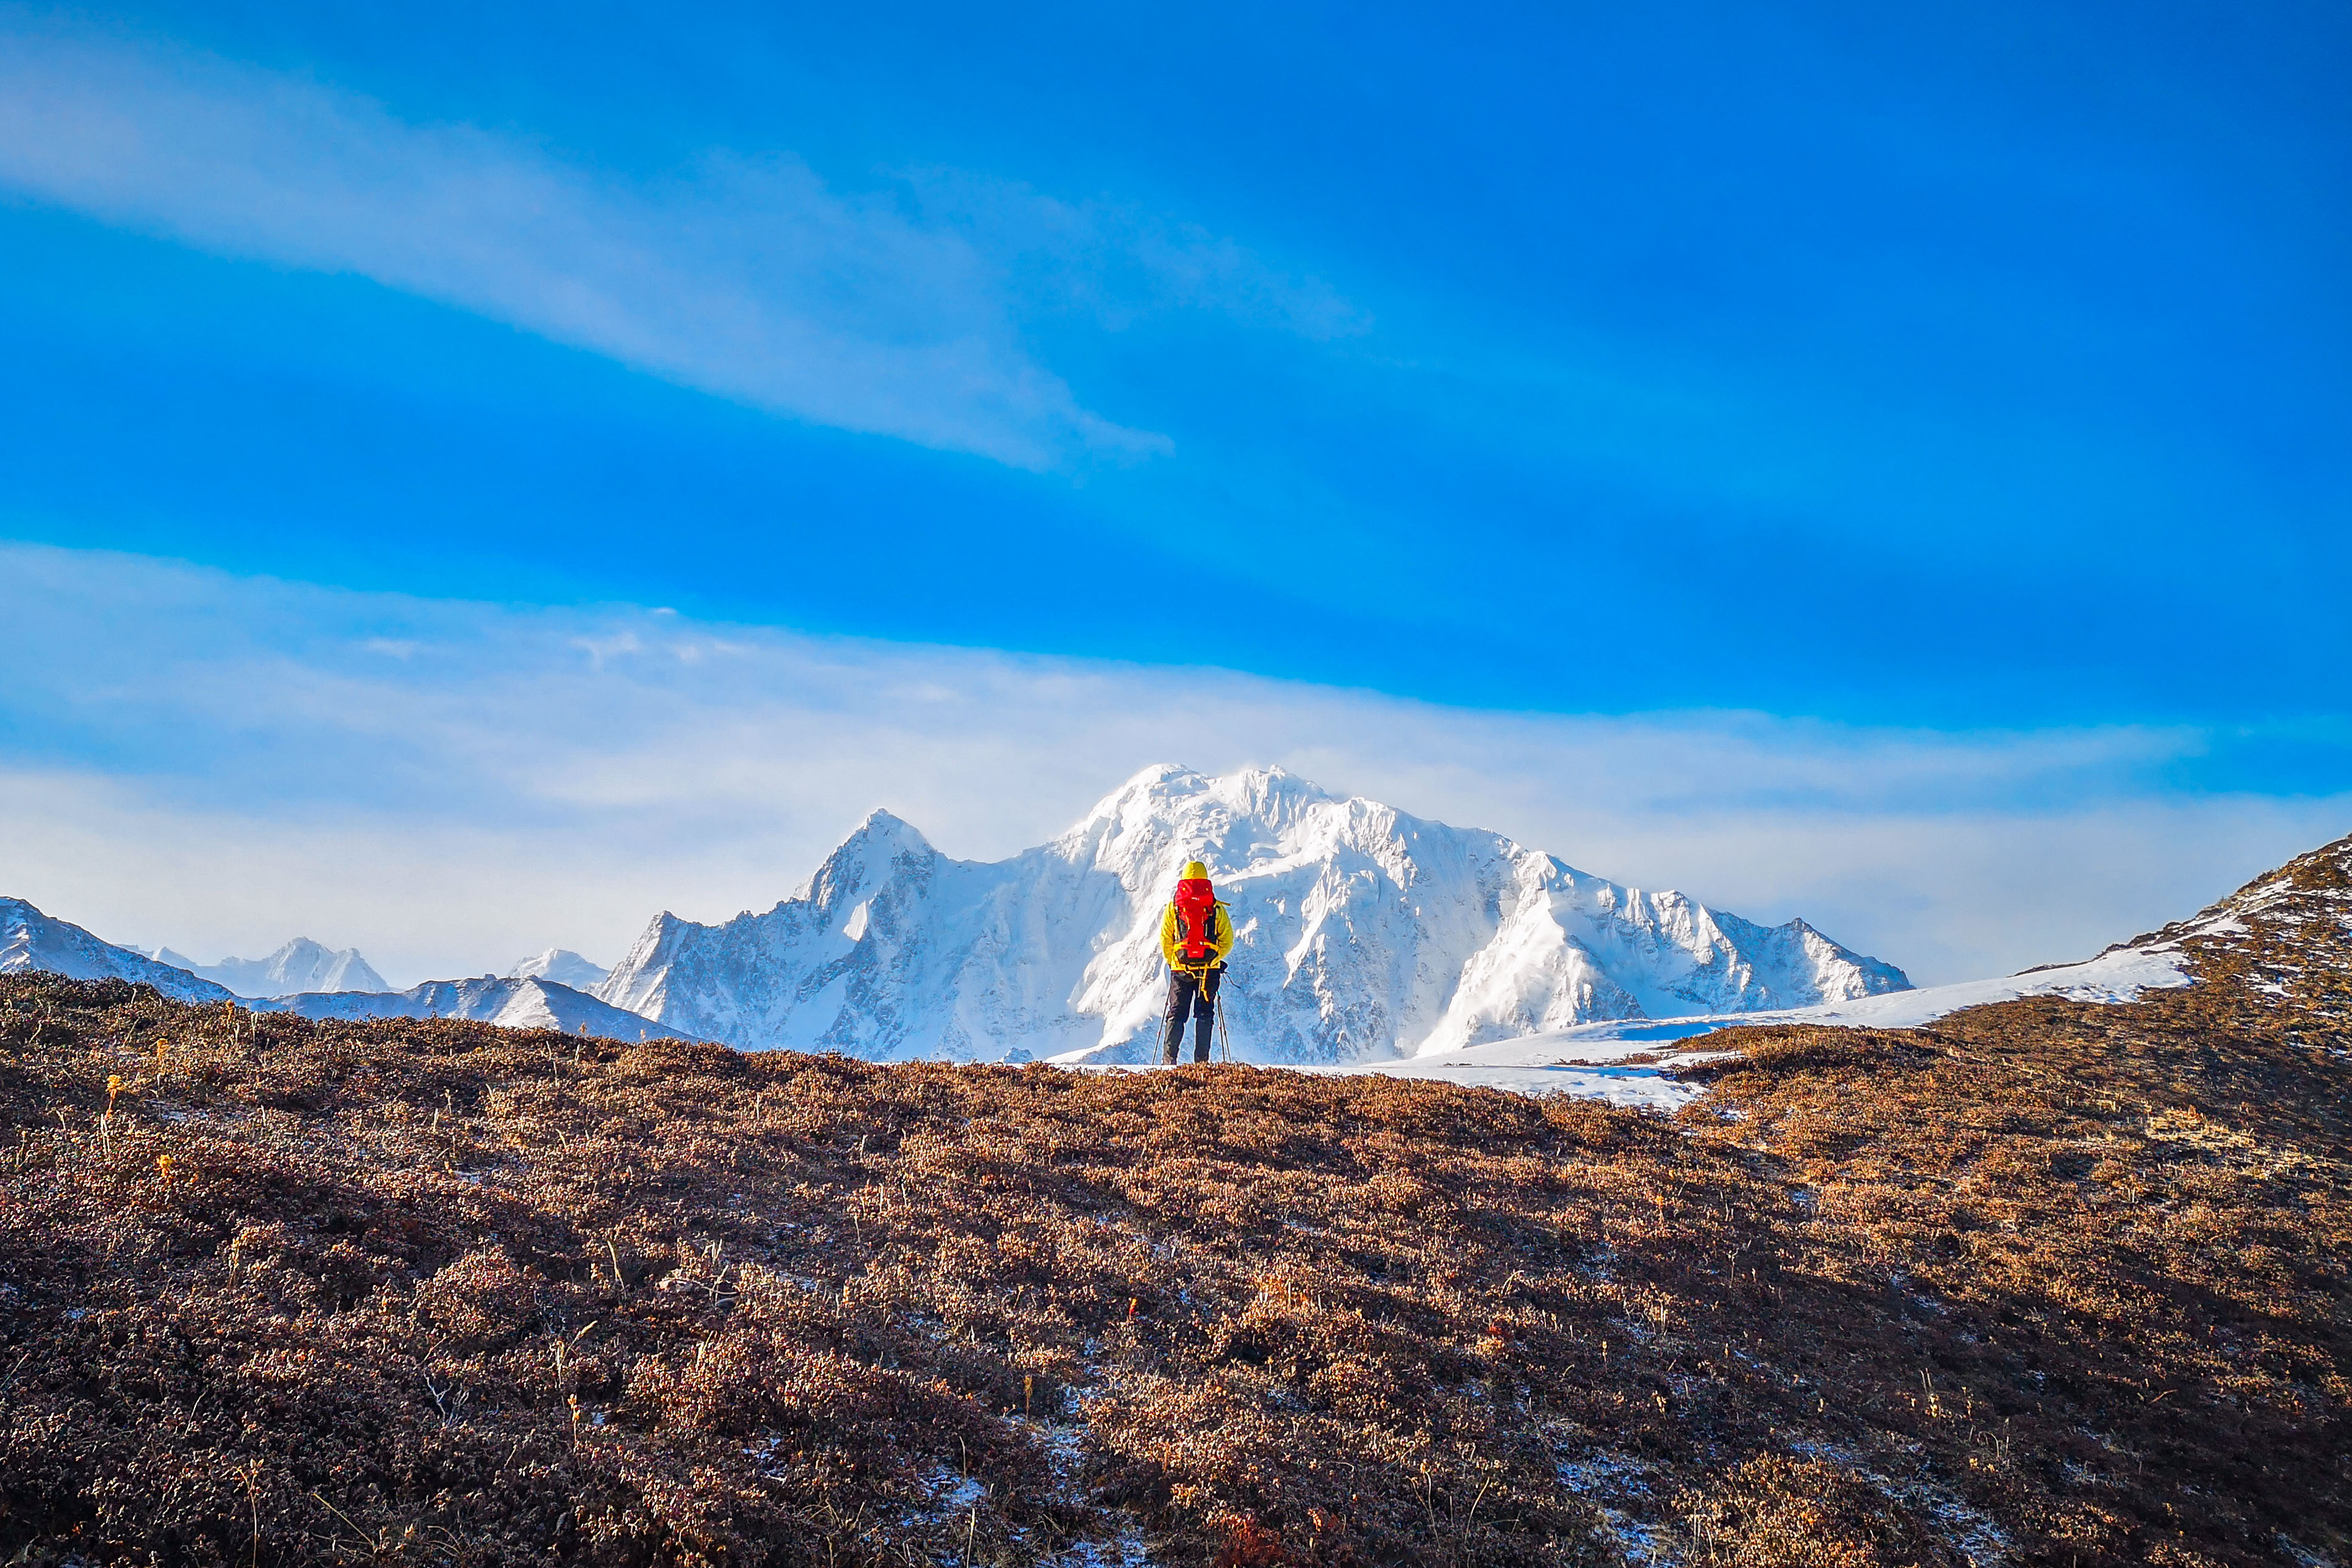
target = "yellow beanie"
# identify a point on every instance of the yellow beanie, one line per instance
(1194, 870)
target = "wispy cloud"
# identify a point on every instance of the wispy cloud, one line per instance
(218, 763)
(745, 275)
(1118, 263)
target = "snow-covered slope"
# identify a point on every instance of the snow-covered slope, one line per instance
(530, 1003)
(300, 965)
(2281, 944)
(2118, 974)
(561, 965)
(1364, 933)
(31, 939)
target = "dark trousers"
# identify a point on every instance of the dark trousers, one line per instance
(1195, 994)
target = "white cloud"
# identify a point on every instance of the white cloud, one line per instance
(219, 763)
(1116, 262)
(746, 276)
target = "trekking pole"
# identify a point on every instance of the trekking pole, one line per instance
(1225, 1041)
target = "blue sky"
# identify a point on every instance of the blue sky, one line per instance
(1976, 375)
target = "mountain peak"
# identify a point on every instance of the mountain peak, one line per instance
(563, 966)
(865, 857)
(1269, 789)
(299, 965)
(1157, 782)
(1363, 933)
(1253, 790)
(1160, 773)
(883, 826)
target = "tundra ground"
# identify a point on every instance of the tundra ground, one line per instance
(2047, 1282)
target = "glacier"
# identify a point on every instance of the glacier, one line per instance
(1364, 933)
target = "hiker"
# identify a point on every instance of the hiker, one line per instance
(1195, 934)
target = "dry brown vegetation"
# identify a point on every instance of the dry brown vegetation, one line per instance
(2047, 1282)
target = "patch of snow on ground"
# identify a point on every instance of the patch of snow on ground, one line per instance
(1644, 1085)
(2298, 1553)
(1127, 1552)
(1606, 1480)
(952, 1496)
(1981, 1540)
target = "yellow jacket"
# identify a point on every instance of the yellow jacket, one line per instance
(1171, 935)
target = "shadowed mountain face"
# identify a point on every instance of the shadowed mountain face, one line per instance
(1363, 933)
(2050, 1281)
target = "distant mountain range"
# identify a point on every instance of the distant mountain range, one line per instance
(527, 1003)
(300, 965)
(30, 940)
(1363, 933)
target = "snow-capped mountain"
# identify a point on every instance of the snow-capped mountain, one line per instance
(1363, 933)
(561, 965)
(31, 939)
(526, 1004)
(300, 965)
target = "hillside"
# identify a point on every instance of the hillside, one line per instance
(2047, 1282)
(1363, 933)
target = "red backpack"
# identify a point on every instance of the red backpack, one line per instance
(1196, 915)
